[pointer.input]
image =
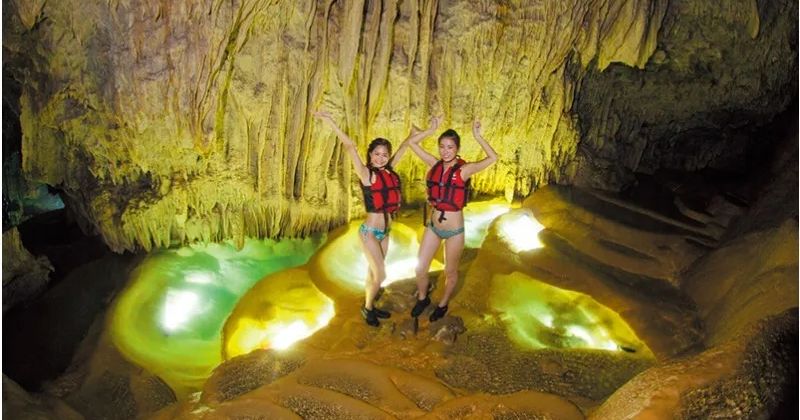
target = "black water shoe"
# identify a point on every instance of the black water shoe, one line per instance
(420, 306)
(438, 313)
(380, 313)
(370, 316)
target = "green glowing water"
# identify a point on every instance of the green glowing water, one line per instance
(170, 317)
(539, 315)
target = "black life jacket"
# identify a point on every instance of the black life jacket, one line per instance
(383, 195)
(447, 191)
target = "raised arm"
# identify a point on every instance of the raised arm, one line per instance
(416, 137)
(358, 164)
(472, 168)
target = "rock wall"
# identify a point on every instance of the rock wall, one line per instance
(719, 72)
(752, 375)
(24, 275)
(168, 122)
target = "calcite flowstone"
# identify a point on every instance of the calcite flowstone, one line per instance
(626, 258)
(346, 388)
(247, 372)
(192, 120)
(488, 362)
(520, 405)
(741, 378)
(751, 277)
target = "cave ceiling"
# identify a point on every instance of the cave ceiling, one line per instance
(173, 122)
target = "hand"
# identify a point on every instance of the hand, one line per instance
(476, 128)
(323, 115)
(326, 117)
(435, 121)
(415, 129)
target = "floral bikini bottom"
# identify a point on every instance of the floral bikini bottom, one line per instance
(379, 234)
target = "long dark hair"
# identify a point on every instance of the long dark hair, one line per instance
(450, 133)
(379, 141)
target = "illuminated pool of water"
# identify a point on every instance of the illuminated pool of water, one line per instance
(170, 317)
(278, 311)
(538, 315)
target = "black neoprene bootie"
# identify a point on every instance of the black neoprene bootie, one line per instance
(370, 316)
(380, 313)
(420, 306)
(438, 313)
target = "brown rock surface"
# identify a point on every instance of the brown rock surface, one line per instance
(741, 378)
(23, 274)
(750, 278)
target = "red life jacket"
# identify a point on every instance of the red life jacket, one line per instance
(447, 191)
(383, 196)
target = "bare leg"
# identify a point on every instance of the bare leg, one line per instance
(368, 296)
(452, 256)
(385, 249)
(428, 247)
(376, 272)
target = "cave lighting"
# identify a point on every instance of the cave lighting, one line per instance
(180, 307)
(538, 315)
(177, 301)
(405, 265)
(477, 218)
(255, 334)
(520, 230)
(199, 278)
(285, 336)
(342, 262)
(278, 311)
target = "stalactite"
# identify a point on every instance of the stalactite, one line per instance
(192, 121)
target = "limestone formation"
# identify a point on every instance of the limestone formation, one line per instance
(248, 372)
(350, 370)
(623, 256)
(190, 121)
(19, 404)
(23, 274)
(345, 388)
(744, 377)
(488, 362)
(762, 282)
(520, 405)
(716, 75)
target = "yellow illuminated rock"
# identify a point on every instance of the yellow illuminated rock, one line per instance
(341, 267)
(539, 327)
(164, 128)
(735, 285)
(279, 310)
(632, 238)
(572, 253)
(478, 215)
(542, 316)
(178, 300)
